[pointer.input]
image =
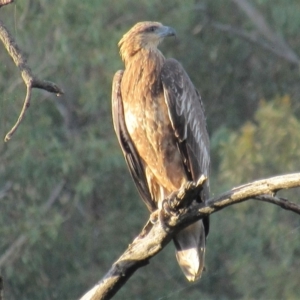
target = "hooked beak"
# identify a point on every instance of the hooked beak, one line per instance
(166, 31)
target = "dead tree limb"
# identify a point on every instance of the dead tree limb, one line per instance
(177, 213)
(29, 79)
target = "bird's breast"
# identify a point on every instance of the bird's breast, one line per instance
(148, 123)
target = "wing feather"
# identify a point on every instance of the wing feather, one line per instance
(187, 117)
(130, 153)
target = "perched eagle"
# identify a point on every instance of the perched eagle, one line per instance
(159, 121)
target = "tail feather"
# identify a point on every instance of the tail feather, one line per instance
(190, 250)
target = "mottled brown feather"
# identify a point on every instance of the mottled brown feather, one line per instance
(132, 158)
(160, 124)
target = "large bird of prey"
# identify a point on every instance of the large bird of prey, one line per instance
(159, 121)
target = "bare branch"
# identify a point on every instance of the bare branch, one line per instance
(174, 216)
(283, 203)
(29, 79)
(22, 113)
(252, 190)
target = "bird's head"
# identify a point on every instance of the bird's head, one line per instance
(143, 35)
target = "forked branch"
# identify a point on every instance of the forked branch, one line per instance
(179, 212)
(29, 79)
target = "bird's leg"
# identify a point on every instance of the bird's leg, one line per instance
(154, 216)
(171, 206)
(180, 199)
(184, 196)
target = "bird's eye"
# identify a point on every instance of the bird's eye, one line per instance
(151, 28)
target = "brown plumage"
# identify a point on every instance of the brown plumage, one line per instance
(160, 124)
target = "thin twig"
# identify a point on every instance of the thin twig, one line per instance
(22, 113)
(251, 191)
(29, 79)
(283, 203)
(154, 238)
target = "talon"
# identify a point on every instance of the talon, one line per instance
(169, 203)
(162, 219)
(154, 217)
(166, 206)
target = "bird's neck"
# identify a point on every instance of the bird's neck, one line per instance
(151, 58)
(145, 66)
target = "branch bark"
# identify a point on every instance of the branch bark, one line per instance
(178, 213)
(29, 79)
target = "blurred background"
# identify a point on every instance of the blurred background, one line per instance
(68, 205)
